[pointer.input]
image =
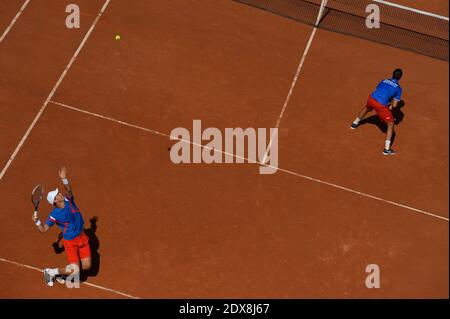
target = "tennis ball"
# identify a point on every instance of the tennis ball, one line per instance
(117, 37)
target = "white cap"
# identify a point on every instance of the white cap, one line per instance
(51, 196)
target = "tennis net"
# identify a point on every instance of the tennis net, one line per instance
(399, 26)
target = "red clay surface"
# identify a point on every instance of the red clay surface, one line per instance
(32, 57)
(8, 10)
(220, 231)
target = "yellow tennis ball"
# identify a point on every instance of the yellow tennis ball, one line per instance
(117, 37)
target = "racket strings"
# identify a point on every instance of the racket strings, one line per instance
(37, 193)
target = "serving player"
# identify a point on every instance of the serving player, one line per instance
(383, 100)
(68, 218)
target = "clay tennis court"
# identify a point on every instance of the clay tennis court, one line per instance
(105, 109)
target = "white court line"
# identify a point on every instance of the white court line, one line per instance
(19, 146)
(109, 119)
(85, 283)
(294, 81)
(14, 20)
(412, 9)
(260, 163)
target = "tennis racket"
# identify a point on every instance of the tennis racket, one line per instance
(36, 196)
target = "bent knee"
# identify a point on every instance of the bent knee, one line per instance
(86, 266)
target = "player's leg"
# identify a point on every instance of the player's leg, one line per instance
(85, 255)
(59, 274)
(52, 274)
(86, 263)
(387, 147)
(361, 115)
(386, 116)
(84, 250)
(68, 270)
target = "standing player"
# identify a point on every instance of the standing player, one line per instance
(67, 217)
(385, 98)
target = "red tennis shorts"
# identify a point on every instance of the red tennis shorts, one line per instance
(384, 113)
(77, 248)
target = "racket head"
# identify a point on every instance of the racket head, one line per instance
(37, 194)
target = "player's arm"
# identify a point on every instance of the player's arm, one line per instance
(394, 103)
(65, 181)
(396, 99)
(41, 227)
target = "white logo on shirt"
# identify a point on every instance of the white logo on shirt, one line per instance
(390, 83)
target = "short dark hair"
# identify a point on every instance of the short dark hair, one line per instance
(397, 74)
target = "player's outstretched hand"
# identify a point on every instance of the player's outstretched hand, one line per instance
(63, 172)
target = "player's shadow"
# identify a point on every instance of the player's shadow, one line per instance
(94, 244)
(375, 120)
(57, 246)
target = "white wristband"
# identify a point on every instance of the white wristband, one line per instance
(65, 181)
(38, 222)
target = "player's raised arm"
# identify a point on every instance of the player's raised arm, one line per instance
(41, 227)
(65, 181)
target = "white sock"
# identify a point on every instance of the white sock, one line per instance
(387, 144)
(356, 121)
(53, 272)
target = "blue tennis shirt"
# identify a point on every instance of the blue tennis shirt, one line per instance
(387, 90)
(68, 219)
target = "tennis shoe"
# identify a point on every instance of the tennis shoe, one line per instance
(389, 152)
(60, 279)
(49, 279)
